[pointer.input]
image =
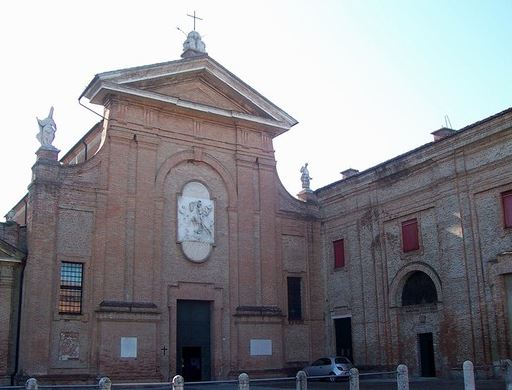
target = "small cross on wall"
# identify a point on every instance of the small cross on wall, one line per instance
(163, 349)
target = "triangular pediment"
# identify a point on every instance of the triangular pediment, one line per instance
(198, 83)
(9, 252)
(198, 90)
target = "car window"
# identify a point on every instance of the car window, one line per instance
(342, 360)
(325, 361)
(317, 362)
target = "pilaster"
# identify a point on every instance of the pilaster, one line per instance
(40, 296)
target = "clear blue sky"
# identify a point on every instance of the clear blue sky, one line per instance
(367, 80)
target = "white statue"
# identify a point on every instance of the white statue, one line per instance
(10, 215)
(194, 42)
(47, 129)
(305, 178)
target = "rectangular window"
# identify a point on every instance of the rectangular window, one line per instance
(339, 253)
(506, 199)
(70, 300)
(410, 239)
(294, 299)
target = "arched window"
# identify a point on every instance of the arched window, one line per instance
(419, 289)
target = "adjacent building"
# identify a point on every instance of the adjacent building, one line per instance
(418, 253)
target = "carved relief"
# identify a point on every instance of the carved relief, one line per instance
(196, 221)
(69, 346)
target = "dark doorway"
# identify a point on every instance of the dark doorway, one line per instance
(193, 347)
(343, 330)
(426, 346)
(191, 363)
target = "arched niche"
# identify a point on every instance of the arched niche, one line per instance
(402, 276)
(418, 289)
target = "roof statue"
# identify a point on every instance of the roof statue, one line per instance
(47, 129)
(305, 178)
(10, 215)
(193, 46)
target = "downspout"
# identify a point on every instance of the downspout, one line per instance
(83, 105)
(26, 210)
(85, 150)
(20, 298)
(18, 325)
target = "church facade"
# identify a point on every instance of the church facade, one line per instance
(165, 243)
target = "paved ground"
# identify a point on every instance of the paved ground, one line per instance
(364, 384)
(429, 384)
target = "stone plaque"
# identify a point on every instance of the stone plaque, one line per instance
(69, 346)
(128, 347)
(261, 347)
(196, 221)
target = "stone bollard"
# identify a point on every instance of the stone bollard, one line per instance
(301, 381)
(469, 375)
(243, 381)
(402, 377)
(354, 379)
(507, 366)
(178, 382)
(105, 383)
(31, 384)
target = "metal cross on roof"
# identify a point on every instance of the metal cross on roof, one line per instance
(195, 17)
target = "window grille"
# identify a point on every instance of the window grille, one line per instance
(70, 299)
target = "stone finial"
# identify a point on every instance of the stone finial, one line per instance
(305, 178)
(105, 383)
(469, 375)
(193, 46)
(354, 379)
(47, 129)
(31, 384)
(301, 381)
(243, 381)
(178, 382)
(506, 364)
(402, 377)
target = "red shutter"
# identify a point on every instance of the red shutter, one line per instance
(506, 198)
(339, 254)
(410, 239)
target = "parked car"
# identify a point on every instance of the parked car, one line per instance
(335, 366)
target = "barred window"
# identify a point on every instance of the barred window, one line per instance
(70, 300)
